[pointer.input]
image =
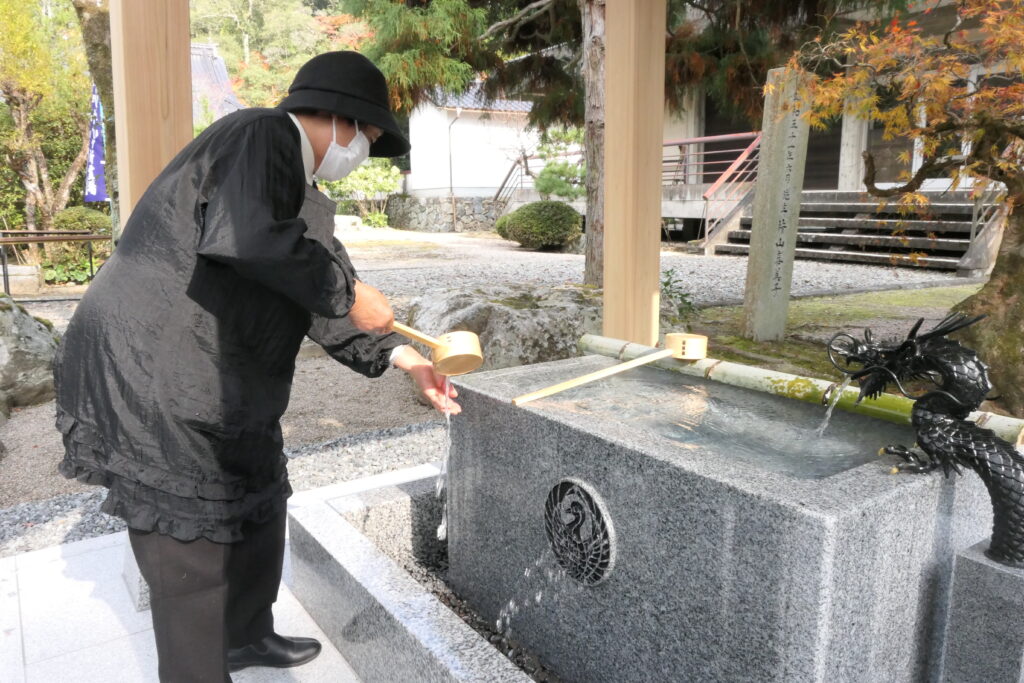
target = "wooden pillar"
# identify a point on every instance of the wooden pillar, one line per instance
(634, 109)
(151, 61)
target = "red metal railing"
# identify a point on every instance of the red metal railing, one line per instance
(703, 160)
(731, 193)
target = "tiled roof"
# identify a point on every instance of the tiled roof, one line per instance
(473, 98)
(212, 94)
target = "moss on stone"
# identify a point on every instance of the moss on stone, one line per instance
(46, 323)
(520, 302)
(812, 320)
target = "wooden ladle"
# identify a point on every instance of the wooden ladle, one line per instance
(454, 353)
(677, 345)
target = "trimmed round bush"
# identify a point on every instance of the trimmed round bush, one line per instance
(501, 227)
(540, 225)
(82, 218)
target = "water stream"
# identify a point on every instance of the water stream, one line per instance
(442, 529)
(833, 401)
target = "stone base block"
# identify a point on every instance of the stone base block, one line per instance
(985, 632)
(655, 527)
(386, 625)
(24, 279)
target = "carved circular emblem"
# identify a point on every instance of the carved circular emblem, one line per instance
(580, 532)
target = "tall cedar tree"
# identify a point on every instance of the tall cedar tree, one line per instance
(960, 98)
(546, 51)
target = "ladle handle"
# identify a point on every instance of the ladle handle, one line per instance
(416, 335)
(600, 374)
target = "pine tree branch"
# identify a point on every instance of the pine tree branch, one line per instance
(527, 14)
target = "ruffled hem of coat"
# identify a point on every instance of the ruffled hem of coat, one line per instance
(185, 519)
(86, 449)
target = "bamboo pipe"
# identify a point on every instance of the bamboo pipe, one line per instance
(678, 346)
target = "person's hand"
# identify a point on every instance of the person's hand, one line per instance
(430, 384)
(371, 311)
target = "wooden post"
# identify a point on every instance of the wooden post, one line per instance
(151, 61)
(634, 110)
(780, 183)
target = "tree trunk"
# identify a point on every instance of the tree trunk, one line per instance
(592, 13)
(94, 19)
(999, 339)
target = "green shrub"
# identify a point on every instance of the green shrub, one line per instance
(69, 261)
(347, 207)
(82, 218)
(376, 219)
(542, 224)
(65, 273)
(369, 186)
(501, 227)
(675, 295)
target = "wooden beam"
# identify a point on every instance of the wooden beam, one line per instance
(634, 111)
(151, 61)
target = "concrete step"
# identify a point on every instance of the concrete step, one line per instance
(883, 241)
(958, 197)
(879, 224)
(854, 257)
(872, 207)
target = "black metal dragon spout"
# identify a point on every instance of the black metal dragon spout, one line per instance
(944, 435)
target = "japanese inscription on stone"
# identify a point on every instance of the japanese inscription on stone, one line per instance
(776, 210)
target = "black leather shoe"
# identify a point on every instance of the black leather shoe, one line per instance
(277, 651)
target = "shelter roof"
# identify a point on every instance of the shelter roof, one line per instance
(212, 94)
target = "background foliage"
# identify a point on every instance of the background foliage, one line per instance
(369, 187)
(959, 96)
(44, 105)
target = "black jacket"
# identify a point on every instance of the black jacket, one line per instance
(178, 362)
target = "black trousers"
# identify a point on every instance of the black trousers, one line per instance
(207, 597)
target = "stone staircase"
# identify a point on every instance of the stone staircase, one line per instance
(848, 226)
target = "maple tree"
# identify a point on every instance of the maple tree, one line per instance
(959, 96)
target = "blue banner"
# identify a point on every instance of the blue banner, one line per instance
(95, 180)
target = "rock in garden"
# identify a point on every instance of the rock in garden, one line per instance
(27, 347)
(516, 325)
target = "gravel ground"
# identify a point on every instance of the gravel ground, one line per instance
(380, 423)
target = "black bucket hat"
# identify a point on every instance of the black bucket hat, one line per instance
(349, 85)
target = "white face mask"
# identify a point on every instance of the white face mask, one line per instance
(339, 161)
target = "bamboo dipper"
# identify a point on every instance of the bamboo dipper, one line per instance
(455, 353)
(677, 345)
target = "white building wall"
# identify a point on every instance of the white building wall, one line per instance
(482, 149)
(484, 145)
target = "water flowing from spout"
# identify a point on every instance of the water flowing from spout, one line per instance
(833, 401)
(442, 529)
